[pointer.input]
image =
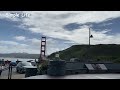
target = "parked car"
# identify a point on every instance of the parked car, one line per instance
(33, 63)
(2, 62)
(20, 66)
(13, 63)
(74, 60)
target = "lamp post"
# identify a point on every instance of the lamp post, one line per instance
(90, 36)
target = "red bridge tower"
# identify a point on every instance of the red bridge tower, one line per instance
(43, 48)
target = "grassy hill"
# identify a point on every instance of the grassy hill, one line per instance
(102, 52)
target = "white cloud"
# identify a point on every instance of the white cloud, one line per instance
(50, 24)
(12, 43)
(35, 42)
(52, 45)
(17, 49)
(12, 46)
(106, 24)
(47, 24)
(8, 43)
(20, 38)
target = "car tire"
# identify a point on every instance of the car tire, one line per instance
(20, 71)
(17, 71)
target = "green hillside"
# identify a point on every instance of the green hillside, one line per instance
(101, 52)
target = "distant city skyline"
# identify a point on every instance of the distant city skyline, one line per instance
(21, 31)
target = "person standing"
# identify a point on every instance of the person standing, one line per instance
(1, 67)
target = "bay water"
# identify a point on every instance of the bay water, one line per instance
(15, 59)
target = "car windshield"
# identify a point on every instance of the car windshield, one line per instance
(26, 64)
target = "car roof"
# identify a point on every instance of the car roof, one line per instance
(24, 62)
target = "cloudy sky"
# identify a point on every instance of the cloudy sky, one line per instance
(21, 31)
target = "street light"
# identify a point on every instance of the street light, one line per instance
(90, 36)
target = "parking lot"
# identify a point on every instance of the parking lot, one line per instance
(15, 75)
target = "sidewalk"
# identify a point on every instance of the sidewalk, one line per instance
(17, 76)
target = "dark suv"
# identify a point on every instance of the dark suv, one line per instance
(20, 66)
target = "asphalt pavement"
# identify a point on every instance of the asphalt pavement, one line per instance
(15, 75)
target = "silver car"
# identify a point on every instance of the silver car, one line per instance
(20, 66)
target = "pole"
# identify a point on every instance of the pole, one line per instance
(89, 36)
